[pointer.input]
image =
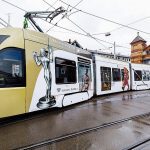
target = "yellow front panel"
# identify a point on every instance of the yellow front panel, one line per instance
(12, 101)
(32, 70)
(15, 39)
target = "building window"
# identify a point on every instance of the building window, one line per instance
(12, 67)
(116, 74)
(105, 78)
(65, 71)
(137, 75)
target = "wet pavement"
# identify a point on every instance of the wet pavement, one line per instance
(116, 137)
(144, 147)
(81, 116)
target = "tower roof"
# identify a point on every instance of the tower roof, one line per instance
(138, 39)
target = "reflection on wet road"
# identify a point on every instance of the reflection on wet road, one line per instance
(110, 138)
(81, 116)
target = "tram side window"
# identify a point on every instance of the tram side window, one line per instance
(82, 69)
(137, 75)
(146, 75)
(65, 71)
(105, 78)
(12, 67)
(122, 74)
(3, 38)
(116, 74)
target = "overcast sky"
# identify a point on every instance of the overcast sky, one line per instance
(121, 11)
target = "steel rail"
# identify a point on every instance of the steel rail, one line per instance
(138, 144)
(81, 132)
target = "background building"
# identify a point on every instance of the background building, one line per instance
(140, 52)
(111, 55)
(104, 54)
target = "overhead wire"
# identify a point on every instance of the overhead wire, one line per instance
(79, 33)
(54, 25)
(52, 6)
(54, 2)
(130, 23)
(88, 34)
(108, 20)
(3, 24)
(66, 28)
(63, 16)
(13, 5)
(76, 5)
(7, 24)
(141, 19)
(18, 8)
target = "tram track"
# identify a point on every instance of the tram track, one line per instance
(138, 144)
(54, 135)
(85, 131)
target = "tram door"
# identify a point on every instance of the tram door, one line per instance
(84, 74)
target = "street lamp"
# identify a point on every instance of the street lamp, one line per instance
(114, 44)
(106, 33)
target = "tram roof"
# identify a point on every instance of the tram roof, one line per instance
(38, 37)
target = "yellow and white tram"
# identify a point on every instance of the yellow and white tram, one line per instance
(38, 72)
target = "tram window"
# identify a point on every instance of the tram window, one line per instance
(12, 67)
(105, 78)
(116, 74)
(3, 38)
(137, 75)
(122, 74)
(82, 69)
(146, 75)
(65, 71)
(84, 76)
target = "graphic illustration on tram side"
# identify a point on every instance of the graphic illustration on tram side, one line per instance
(84, 77)
(125, 78)
(85, 81)
(43, 59)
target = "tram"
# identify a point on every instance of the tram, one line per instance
(38, 72)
